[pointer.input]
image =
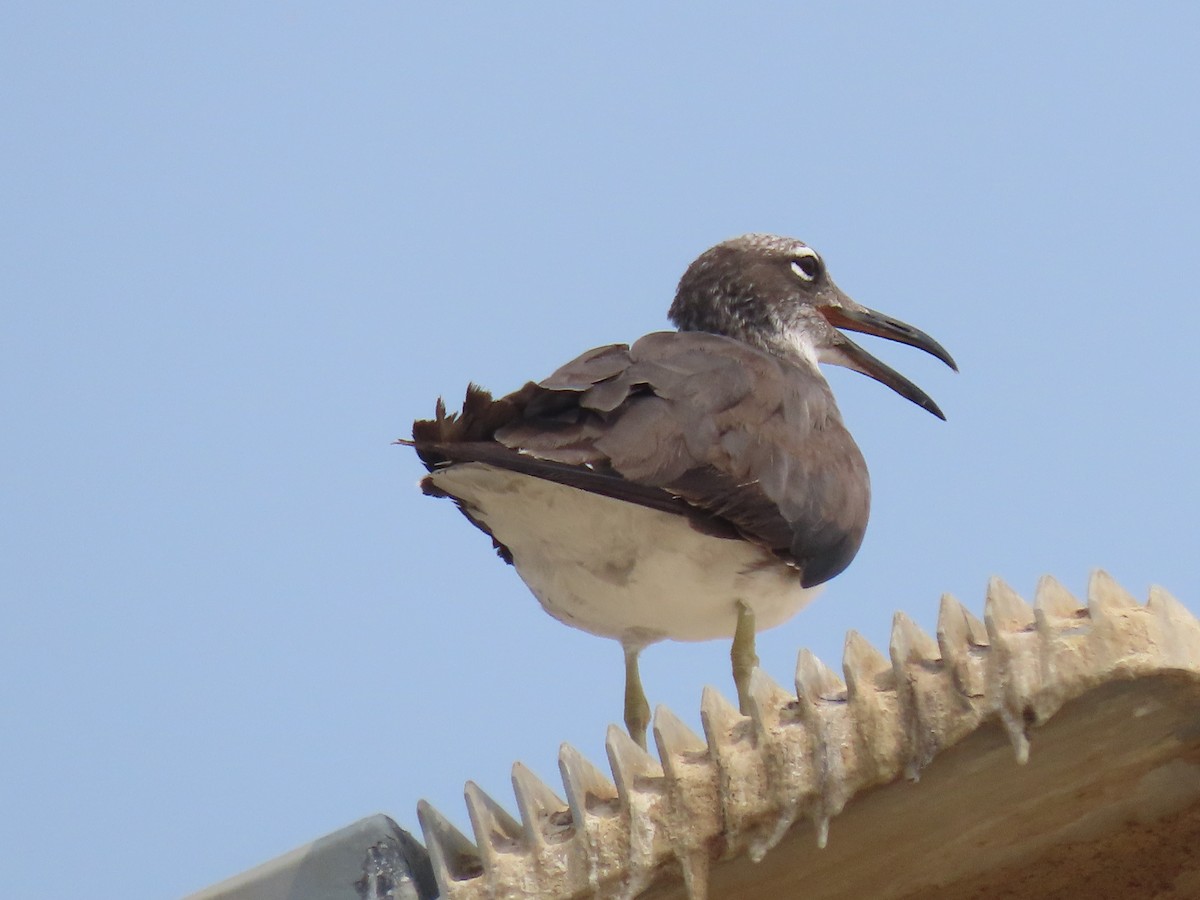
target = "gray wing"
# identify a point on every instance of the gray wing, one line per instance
(741, 442)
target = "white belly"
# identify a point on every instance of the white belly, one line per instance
(620, 570)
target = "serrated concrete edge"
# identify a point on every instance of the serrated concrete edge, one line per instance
(805, 755)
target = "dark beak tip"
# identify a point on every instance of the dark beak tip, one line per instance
(936, 350)
(926, 403)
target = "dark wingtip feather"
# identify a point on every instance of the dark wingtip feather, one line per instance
(476, 422)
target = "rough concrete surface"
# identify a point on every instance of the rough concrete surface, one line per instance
(1108, 806)
(1002, 758)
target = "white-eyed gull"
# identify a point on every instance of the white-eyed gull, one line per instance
(697, 484)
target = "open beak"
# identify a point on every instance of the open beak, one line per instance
(845, 352)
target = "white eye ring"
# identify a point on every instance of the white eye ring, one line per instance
(800, 271)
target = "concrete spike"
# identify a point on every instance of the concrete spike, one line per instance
(1013, 661)
(816, 681)
(719, 718)
(543, 812)
(629, 762)
(958, 627)
(495, 830)
(674, 739)
(1177, 634)
(1004, 610)
(592, 798)
(640, 785)
(454, 858)
(914, 653)
(767, 700)
(694, 805)
(1051, 598)
(740, 781)
(909, 644)
(1162, 603)
(959, 634)
(1105, 596)
(862, 665)
(589, 791)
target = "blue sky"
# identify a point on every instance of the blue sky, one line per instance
(245, 245)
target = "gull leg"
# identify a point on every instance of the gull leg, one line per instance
(637, 710)
(743, 655)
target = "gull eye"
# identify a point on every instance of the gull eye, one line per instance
(807, 267)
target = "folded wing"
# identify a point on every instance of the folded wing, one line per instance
(744, 444)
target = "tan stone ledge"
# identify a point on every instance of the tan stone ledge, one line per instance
(1048, 751)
